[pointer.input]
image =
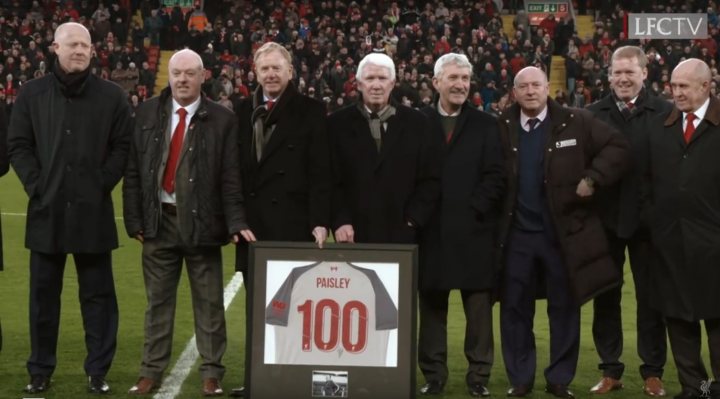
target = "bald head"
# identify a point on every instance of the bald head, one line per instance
(73, 47)
(531, 90)
(186, 76)
(71, 28)
(690, 83)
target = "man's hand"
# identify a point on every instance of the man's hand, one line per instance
(345, 233)
(139, 236)
(247, 234)
(320, 233)
(585, 188)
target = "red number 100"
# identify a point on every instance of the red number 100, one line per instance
(331, 342)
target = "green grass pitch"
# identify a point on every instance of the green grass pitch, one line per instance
(69, 381)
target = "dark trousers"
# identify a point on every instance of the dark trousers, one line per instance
(162, 258)
(432, 343)
(528, 254)
(98, 305)
(607, 316)
(685, 341)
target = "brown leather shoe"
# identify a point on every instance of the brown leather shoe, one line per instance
(654, 387)
(606, 385)
(211, 387)
(143, 386)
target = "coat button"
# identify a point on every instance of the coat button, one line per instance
(515, 149)
(194, 211)
(68, 132)
(549, 149)
(190, 180)
(68, 168)
(281, 172)
(510, 213)
(190, 149)
(274, 200)
(685, 156)
(253, 195)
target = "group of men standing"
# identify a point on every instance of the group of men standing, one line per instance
(540, 202)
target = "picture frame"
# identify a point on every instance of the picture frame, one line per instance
(339, 322)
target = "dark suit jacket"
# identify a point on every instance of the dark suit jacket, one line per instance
(458, 246)
(379, 193)
(287, 193)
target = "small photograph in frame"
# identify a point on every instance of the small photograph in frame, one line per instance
(329, 384)
(317, 316)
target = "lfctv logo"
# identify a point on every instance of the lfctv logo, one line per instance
(667, 26)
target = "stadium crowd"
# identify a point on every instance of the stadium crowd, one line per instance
(327, 39)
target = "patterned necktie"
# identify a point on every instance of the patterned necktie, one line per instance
(174, 154)
(689, 127)
(269, 105)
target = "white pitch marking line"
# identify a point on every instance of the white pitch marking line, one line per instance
(172, 384)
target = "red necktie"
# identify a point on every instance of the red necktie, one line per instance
(269, 104)
(689, 127)
(175, 147)
(629, 105)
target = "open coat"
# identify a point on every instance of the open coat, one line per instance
(578, 145)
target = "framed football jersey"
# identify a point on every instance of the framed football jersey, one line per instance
(333, 322)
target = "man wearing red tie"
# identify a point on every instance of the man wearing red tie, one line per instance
(683, 212)
(183, 201)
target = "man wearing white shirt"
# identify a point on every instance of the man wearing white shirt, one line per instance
(682, 203)
(183, 201)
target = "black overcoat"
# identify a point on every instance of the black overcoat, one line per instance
(458, 245)
(379, 193)
(287, 192)
(619, 204)
(578, 145)
(684, 217)
(69, 153)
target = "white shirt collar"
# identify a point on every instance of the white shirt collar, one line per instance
(442, 111)
(699, 113)
(191, 109)
(524, 118)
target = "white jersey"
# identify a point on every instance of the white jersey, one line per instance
(332, 313)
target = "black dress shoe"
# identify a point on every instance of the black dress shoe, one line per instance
(432, 388)
(519, 391)
(38, 383)
(478, 390)
(559, 391)
(98, 385)
(238, 392)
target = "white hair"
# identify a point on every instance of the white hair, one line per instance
(460, 60)
(377, 59)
